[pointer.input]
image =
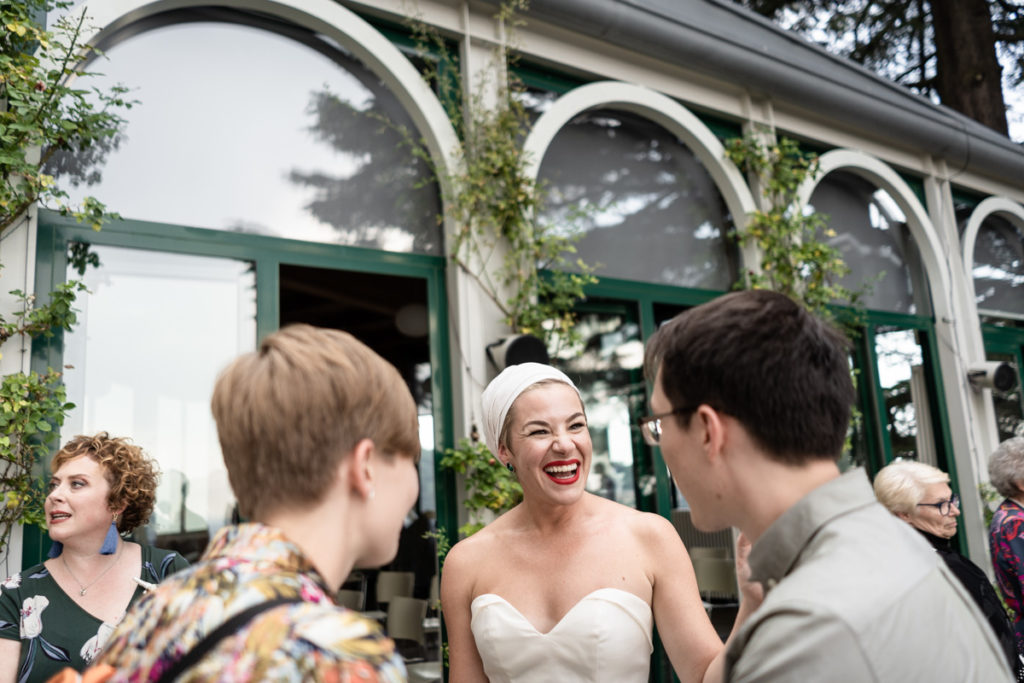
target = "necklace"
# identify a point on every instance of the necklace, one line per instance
(103, 573)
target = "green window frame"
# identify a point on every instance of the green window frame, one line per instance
(266, 254)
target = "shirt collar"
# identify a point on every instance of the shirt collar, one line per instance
(778, 548)
(259, 543)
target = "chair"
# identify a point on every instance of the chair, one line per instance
(716, 552)
(405, 627)
(350, 598)
(716, 578)
(405, 618)
(390, 584)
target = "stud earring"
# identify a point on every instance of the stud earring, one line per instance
(511, 468)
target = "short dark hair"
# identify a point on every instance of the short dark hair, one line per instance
(765, 360)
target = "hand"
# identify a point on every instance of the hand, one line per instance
(752, 591)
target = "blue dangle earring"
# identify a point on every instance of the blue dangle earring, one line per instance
(109, 546)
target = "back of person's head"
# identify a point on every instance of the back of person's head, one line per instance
(132, 475)
(288, 414)
(1006, 467)
(900, 485)
(765, 360)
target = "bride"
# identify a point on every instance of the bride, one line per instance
(566, 585)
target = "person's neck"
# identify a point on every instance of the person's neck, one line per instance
(768, 488)
(316, 532)
(547, 518)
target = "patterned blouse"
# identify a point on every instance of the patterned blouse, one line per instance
(55, 631)
(1007, 547)
(312, 640)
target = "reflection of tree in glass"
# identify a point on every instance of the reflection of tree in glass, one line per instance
(76, 167)
(641, 196)
(388, 188)
(999, 265)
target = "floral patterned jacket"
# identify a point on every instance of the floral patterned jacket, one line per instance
(312, 640)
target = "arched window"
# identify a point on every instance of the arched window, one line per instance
(999, 267)
(872, 234)
(260, 128)
(649, 210)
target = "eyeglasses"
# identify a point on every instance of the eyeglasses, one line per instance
(650, 426)
(944, 506)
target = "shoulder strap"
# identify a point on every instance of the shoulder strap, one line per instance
(226, 629)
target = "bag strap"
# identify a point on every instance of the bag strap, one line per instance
(226, 629)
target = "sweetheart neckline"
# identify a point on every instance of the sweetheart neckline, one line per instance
(558, 623)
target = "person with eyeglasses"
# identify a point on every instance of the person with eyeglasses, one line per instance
(920, 495)
(750, 406)
(567, 585)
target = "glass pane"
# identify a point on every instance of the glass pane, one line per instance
(999, 267)
(608, 374)
(1009, 405)
(873, 237)
(649, 209)
(242, 129)
(857, 434)
(155, 330)
(905, 392)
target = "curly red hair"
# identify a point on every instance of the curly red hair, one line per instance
(133, 476)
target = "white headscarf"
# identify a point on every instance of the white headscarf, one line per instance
(503, 391)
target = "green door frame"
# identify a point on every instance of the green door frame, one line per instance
(266, 254)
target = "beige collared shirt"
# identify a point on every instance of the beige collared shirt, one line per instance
(855, 594)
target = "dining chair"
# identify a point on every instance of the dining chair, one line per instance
(390, 584)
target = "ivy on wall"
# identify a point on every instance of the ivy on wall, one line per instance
(50, 123)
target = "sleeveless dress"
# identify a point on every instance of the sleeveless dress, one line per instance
(603, 638)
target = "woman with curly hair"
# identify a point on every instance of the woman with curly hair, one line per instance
(60, 613)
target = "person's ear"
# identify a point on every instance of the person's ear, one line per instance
(504, 455)
(904, 516)
(713, 433)
(358, 467)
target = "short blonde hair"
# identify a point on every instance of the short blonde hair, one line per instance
(900, 485)
(1006, 466)
(288, 414)
(133, 476)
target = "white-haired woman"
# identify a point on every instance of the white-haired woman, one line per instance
(1006, 472)
(920, 495)
(566, 585)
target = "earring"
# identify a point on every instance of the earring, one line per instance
(56, 548)
(511, 468)
(109, 546)
(373, 492)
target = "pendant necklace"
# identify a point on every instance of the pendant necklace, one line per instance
(89, 585)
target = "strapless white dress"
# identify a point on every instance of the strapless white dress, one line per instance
(604, 638)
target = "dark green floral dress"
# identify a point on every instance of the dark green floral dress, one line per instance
(54, 631)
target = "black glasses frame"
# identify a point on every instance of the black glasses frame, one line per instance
(945, 507)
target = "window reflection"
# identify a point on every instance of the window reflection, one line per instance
(901, 374)
(608, 374)
(999, 267)
(155, 330)
(874, 240)
(648, 208)
(242, 129)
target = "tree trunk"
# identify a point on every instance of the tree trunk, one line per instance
(968, 75)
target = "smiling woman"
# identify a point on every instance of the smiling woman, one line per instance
(61, 612)
(566, 585)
